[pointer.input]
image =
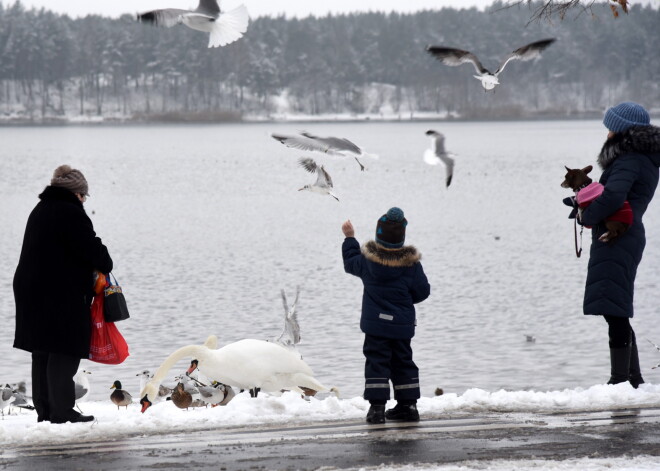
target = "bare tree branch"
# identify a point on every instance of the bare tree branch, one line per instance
(550, 8)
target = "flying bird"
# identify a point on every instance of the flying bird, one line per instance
(338, 146)
(290, 335)
(437, 154)
(224, 27)
(489, 80)
(323, 184)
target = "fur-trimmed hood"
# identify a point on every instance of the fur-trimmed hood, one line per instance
(640, 139)
(406, 256)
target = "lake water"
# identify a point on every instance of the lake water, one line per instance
(206, 226)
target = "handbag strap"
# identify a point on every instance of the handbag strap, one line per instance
(112, 277)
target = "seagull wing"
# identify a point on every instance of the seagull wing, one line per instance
(302, 143)
(455, 57)
(525, 53)
(336, 143)
(323, 178)
(308, 164)
(449, 164)
(167, 17)
(229, 27)
(209, 7)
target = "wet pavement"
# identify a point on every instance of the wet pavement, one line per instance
(353, 444)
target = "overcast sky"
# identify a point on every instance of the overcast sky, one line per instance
(298, 8)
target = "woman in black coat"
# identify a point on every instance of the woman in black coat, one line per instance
(630, 159)
(53, 290)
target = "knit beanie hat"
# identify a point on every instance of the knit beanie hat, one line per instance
(626, 115)
(71, 179)
(391, 229)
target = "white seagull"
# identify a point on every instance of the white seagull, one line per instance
(489, 80)
(437, 154)
(338, 146)
(6, 398)
(658, 349)
(290, 335)
(323, 184)
(82, 387)
(224, 27)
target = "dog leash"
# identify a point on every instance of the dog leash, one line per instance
(577, 252)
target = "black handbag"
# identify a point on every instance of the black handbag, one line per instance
(114, 303)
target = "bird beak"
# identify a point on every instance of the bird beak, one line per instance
(146, 403)
(112, 387)
(190, 370)
(300, 189)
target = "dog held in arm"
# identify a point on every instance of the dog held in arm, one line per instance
(586, 191)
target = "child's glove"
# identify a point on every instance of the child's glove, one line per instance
(570, 201)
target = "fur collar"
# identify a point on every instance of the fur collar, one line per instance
(59, 193)
(406, 256)
(640, 139)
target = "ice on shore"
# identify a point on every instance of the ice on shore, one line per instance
(20, 427)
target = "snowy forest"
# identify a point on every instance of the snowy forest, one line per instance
(55, 68)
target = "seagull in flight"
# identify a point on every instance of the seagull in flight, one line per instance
(224, 27)
(489, 80)
(338, 146)
(437, 154)
(290, 335)
(323, 184)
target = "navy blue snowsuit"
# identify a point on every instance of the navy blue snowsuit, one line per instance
(630, 162)
(394, 281)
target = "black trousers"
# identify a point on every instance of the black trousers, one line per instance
(620, 331)
(389, 360)
(53, 388)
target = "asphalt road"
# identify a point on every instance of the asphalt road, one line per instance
(354, 444)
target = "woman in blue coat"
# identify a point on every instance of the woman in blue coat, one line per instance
(394, 281)
(630, 159)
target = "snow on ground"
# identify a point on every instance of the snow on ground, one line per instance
(639, 463)
(21, 428)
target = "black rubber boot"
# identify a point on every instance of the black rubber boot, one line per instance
(376, 414)
(403, 413)
(635, 377)
(620, 362)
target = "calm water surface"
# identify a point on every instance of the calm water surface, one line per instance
(206, 226)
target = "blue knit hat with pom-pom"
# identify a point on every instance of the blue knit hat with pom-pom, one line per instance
(626, 115)
(391, 229)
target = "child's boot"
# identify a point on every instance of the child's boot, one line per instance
(403, 413)
(376, 414)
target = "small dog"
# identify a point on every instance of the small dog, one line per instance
(586, 191)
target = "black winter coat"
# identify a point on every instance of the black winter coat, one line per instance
(394, 281)
(53, 281)
(630, 162)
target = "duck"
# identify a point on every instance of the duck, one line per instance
(181, 398)
(246, 364)
(120, 397)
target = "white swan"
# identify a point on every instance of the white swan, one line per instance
(246, 364)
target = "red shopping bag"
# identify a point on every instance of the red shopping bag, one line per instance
(107, 345)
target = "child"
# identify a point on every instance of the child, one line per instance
(393, 281)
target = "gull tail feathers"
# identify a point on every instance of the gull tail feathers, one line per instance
(229, 27)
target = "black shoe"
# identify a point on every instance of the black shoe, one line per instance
(71, 416)
(376, 414)
(403, 413)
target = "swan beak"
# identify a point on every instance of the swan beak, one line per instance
(146, 403)
(190, 370)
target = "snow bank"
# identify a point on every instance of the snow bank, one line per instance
(21, 428)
